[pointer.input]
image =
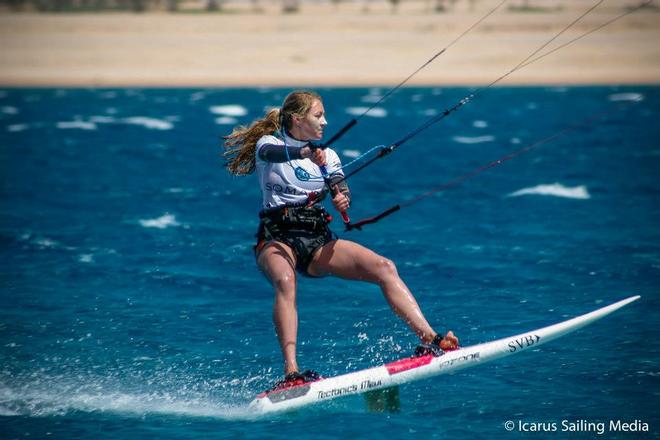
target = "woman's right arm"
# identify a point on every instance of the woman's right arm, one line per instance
(280, 153)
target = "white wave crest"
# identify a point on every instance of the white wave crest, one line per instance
(162, 222)
(229, 110)
(616, 97)
(376, 112)
(91, 123)
(473, 139)
(15, 128)
(226, 120)
(351, 153)
(9, 110)
(197, 96)
(371, 99)
(41, 242)
(152, 123)
(80, 125)
(556, 190)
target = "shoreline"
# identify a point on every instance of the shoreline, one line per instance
(314, 86)
(325, 47)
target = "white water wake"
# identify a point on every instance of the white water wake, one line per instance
(48, 399)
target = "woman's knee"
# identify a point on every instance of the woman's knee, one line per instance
(385, 269)
(277, 263)
(285, 285)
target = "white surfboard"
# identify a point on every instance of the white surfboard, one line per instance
(416, 368)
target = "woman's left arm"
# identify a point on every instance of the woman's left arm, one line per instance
(336, 174)
(338, 182)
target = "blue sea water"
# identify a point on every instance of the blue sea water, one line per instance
(131, 306)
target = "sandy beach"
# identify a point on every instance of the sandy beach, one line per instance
(328, 45)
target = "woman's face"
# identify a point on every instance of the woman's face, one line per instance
(310, 128)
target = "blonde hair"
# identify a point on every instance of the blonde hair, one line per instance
(241, 145)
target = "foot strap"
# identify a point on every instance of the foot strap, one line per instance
(295, 378)
(432, 348)
(437, 339)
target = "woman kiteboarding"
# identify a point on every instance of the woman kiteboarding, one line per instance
(293, 233)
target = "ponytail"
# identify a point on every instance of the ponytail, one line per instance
(241, 144)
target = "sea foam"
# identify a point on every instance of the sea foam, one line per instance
(93, 121)
(151, 123)
(376, 112)
(351, 153)
(9, 110)
(371, 98)
(556, 190)
(58, 400)
(15, 128)
(80, 125)
(162, 222)
(617, 97)
(473, 139)
(226, 120)
(229, 110)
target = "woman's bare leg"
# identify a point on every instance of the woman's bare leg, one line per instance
(277, 262)
(350, 260)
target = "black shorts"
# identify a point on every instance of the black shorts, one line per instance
(303, 229)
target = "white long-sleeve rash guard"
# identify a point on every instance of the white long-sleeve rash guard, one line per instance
(285, 177)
